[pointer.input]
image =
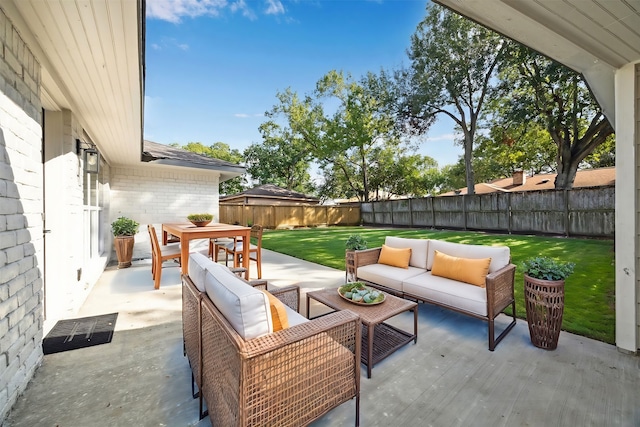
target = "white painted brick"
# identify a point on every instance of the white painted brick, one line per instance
(8, 273)
(14, 253)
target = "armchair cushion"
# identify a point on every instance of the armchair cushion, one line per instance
(197, 269)
(245, 308)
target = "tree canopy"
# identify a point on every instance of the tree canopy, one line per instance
(453, 65)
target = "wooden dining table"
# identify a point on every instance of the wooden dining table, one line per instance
(187, 231)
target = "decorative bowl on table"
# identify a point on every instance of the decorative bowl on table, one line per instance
(200, 220)
(359, 293)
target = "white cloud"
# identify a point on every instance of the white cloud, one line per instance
(169, 42)
(274, 7)
(443, 137)
(246, 116)
(174, 10)
(241, 5)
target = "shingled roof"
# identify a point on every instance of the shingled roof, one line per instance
(271, 191)
(584, 178)
(173, 156)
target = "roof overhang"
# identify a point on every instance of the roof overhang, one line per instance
(593, 37)
(92, 59)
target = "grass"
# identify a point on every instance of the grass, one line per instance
(589, 291)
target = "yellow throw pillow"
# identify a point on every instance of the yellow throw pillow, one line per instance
(472, 271)
(394, 256)
(278, 313)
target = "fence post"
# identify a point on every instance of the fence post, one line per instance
(433, 213)
(464, 210)
(566, 212)
(410, 213)
(509, 213)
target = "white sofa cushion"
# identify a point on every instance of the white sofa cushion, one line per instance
(499, 255)
(245, 308)
(386, 275)
(198, 268)
(450, 292)
(418, 247)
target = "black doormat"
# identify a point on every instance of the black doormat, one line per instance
(79, 333)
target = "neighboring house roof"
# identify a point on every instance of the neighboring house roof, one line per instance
(173, 156)
(584, 178)
(271, 191)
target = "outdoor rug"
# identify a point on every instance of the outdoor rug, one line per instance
(72, 334)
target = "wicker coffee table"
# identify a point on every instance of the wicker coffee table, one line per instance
(379, 339)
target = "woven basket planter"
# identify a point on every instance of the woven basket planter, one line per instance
(544, 300)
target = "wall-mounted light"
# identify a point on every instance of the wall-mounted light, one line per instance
(91, 156)
(91, 160)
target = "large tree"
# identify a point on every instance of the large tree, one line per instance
(221, 151)
(452, 73)
(501, 152)
(281, 159)
(551, 95)
(345, 124)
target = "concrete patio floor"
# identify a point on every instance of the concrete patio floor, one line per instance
(448, 378)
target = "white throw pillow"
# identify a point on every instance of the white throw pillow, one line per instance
(245, 308)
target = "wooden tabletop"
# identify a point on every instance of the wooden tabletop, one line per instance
(369, 314)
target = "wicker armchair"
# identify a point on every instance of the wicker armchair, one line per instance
(288, 378)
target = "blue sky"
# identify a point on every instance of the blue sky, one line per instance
(213, 67)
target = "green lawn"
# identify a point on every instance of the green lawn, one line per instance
(589, 292)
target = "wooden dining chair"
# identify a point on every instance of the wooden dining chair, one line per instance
(160, 254)
(235, 248)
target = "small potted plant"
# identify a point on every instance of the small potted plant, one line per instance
(544, 298)
(123, 230)
(200, 220)
(355, 242)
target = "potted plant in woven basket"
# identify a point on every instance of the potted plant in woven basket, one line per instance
(123, 230)
(544, 299)
(355, 242)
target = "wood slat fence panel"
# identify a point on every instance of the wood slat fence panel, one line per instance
(289, 216)
(577, 212)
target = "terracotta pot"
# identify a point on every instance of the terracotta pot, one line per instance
(544, 301)
(124, 250)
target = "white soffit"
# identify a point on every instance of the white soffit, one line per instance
(594, 37)
(90, 54)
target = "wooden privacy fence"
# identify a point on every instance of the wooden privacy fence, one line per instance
(288, 216)
(576, 212)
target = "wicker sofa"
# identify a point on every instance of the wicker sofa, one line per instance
(249, 375)
(418, 283)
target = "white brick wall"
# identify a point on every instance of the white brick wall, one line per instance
(21, 243)
(153, 194)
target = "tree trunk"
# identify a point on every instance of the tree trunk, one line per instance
(468, 165)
